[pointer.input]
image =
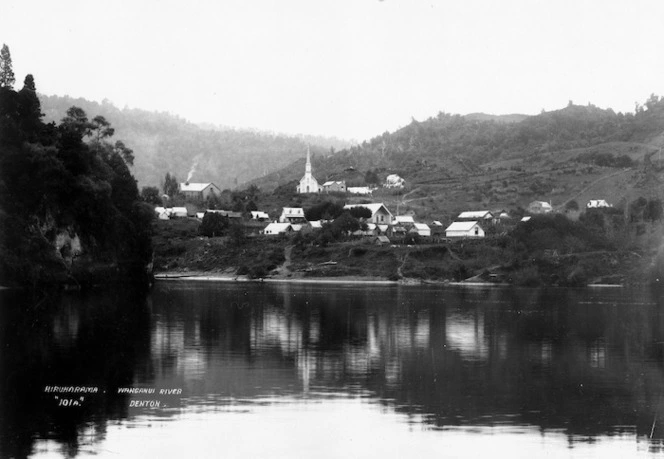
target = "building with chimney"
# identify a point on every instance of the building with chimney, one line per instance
(308, 184)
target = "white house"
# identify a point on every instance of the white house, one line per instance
(292, 215)
(361, 190)
(308, 184)
(274, 229)
(178, 212)
(476, 215)
(379, 213)
(260, 216)
(539, 207)
(404, 220)
(422, 229)
(199, 190)
(464, 229)
(394, 181)
(597, 203)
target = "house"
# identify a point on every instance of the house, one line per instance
(200, 215)
(379, 213)
(539, 207)
(475, 215)
(464, 229)
(178, 212)
(292, 215)
(381, 240)
(162, 213)
(597, 203)
(406, 220)
(274, 229)
(318, 224)
(308, 184)
(199, 190)
(259, 216)
(394, 181)
(332, 186)
(361, 190)
(422, 229)
(526, 218)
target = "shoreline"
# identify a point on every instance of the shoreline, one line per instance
(220, 277)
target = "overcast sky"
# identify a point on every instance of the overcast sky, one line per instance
(352, 69)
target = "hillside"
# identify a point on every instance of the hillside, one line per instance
(166, 143)
(452, 162)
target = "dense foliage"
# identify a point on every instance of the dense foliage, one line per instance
(67, 197)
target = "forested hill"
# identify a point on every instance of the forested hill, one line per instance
(166, 143)
(446, 146)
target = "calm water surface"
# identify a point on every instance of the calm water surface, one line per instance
(321, 370)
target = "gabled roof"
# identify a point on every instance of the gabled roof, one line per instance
(461, 226)
(274, 228)
(373, 207)
(292, 212)
(332, 182)
(404, 219)
(475, 214)
(436, 223)
(258, 214)
(196, 186)
(544, 204)
(421, 226)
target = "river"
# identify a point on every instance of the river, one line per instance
(214, 369)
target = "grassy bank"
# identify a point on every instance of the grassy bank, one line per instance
(501, 259)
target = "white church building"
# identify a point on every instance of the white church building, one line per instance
(308, 184)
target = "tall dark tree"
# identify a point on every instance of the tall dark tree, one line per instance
(170, 185)
(100, 128)
(29, 109)
(7, 78)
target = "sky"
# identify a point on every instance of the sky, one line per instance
(346, 68)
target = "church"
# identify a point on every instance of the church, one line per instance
(308, 184)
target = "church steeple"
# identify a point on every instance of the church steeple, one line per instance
(307, 168)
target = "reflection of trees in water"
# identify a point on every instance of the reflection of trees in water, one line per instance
(81, 340)
(579, 361)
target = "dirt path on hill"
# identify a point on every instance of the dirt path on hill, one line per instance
(285, 267)
(593, 184)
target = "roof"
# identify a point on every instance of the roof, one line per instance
(421, 226)
(298, 211)
(359, 189)
(259, 214)
(332, 182)
(436, 223)
(475, 214)
(277, 227)
(195, 186)
(317, 224)
(461, 226)
(383, 239)
(179, 209)
(525, 219)
(404, 219)
(373, 207)
(541, 203)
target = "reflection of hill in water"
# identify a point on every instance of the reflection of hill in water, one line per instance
(580, 361)
(585, 362)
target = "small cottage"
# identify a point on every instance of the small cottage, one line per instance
(275, 229)
(379, 213)
(539, 207)
(334, 186)
(421, 229)
(199, 190)
(464, 229)
(292, 215)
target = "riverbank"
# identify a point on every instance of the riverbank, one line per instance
(181, 253)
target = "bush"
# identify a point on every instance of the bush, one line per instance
(213, 225)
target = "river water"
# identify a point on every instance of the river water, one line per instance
(324, 370)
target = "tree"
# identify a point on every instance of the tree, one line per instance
(77, 122)
(150, 194)
(213, 224)
(572, 205)
(100, 128)
(170, 185)
(7, 78)
(127, 154)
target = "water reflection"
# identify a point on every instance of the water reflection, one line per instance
(586, 366)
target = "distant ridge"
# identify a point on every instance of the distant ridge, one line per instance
(513, 118)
